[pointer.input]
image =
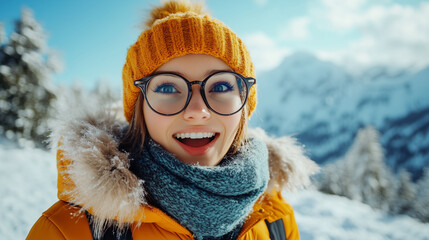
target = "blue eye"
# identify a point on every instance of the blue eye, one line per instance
(166, 88)
(220, 87)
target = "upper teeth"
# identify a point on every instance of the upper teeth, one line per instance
(195, 135)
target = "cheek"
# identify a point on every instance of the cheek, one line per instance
(156, 124)
(231, 124)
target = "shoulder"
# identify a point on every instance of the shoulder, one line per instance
(61, 221)
(271, 216)
(274, 206)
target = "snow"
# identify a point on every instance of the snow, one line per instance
(28, 187)
(321, 216)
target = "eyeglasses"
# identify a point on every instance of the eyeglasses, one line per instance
(224, 92)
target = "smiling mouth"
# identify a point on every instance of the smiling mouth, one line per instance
(195, 140)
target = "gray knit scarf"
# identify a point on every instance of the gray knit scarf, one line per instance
(211, 202)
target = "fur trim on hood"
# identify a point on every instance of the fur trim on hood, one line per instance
(95, 175)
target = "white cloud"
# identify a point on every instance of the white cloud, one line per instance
(394, 36)
(384, 34)
(297, 29)
(265, 52)
(343, 14)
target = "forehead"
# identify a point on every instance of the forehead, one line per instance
(194, 66)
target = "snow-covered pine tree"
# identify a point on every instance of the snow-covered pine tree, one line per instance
(362, 174)
(335, 180)
(26, 93)
(421, 203)
(405, 194)
(104, 92)
(2, 34)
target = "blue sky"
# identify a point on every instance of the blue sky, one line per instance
(93, 36)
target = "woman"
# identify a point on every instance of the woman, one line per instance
(184, 167)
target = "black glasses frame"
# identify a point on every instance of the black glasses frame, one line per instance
(144, 82)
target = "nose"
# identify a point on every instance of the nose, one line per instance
(196, 109)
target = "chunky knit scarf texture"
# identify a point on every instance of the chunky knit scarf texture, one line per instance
(208, 201)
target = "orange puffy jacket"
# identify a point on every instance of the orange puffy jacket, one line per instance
(94, 175)
(63, 221)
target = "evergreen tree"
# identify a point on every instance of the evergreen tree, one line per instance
(2, 34)
(405, 194)
(26, 93)
(362, 174)
(421, 203)
(104, 92)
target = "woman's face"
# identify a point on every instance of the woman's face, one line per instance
(214, 133)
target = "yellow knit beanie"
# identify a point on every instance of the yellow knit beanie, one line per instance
(176, 29)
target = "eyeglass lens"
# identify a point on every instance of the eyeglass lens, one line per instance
(225, 93)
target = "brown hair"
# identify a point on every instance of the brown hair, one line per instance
(136, 132)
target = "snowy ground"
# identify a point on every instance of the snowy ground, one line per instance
(321, 216)
(28, 187)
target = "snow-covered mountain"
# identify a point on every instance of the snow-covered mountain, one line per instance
(324, 106)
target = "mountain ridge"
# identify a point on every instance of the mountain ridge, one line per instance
(324, 106)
